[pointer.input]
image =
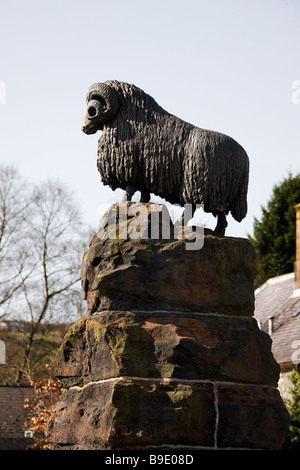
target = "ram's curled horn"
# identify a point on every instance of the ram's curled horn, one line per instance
(102, 105)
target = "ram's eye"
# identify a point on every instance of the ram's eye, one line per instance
(95, 96)
(92, 111)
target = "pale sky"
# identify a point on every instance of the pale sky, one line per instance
(225, 65)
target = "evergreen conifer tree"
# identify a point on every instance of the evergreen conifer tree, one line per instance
(274, 235)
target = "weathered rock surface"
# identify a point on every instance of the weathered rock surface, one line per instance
(166, 345)
(168, 354)
(251, 417)
(135, 413)
(162, 274)
(130, 413)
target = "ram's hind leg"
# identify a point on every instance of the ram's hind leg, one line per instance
(221, 224)
(145, 196)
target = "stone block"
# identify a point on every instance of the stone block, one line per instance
(134, 414)
(166, 345)
(251, 417)
(148, 274)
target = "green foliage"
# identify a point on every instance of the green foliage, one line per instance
(292, 440)
(274, 235)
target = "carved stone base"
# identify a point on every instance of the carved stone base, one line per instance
(141, 380)
(169, 354)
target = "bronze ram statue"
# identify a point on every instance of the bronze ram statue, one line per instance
(144, 148)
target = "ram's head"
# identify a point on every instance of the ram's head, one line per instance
(102, 105)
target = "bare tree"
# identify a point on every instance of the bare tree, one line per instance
(56, 241)
(42, 240)
(15, 262)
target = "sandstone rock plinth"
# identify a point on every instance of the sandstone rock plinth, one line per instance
(169, 353)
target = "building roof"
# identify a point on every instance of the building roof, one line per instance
(278, 299)
(13, 416)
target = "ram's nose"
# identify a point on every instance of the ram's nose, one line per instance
(89, 128)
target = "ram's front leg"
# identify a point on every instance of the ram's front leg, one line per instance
(129, 192)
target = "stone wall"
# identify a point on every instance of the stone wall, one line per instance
(169, 353)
